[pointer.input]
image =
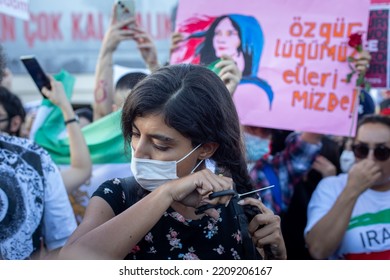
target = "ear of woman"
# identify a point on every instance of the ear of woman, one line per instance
(207, 150)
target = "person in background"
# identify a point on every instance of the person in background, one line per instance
(36, 216)
(12, 113)
(123, 86)
(85, 116)
(118, 32)
(278, 142)
(284, 169)
(366, 107)
(347, 157)
(288, 167)
(80, 160)
(186, 144)
(348, 214)
(294, 221)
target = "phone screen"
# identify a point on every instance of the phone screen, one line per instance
(36, 72)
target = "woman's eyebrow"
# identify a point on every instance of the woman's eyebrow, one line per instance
(162, 138)
(158, 136)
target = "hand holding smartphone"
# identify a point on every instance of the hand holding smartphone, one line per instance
(36, 72)
(125, 9)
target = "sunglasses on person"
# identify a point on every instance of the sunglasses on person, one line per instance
(381, 151)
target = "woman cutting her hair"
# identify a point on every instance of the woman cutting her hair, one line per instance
(185, 138)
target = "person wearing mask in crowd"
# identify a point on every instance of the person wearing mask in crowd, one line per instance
(36, 217)
(347, 157)
(348, 215)
(294, 221)
(284, 169)
(366, 106)
(186, 144)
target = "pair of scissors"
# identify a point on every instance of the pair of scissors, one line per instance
(231, 192)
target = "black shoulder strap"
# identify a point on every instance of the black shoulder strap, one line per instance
(130, 187)
(250, 251)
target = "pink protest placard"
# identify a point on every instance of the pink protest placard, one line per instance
(292, 54)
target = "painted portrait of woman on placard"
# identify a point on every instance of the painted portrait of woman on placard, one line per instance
(234, 35)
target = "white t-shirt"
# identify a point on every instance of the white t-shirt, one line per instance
(33, 200)
(368, 232)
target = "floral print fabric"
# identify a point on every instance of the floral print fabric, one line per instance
(174, 237)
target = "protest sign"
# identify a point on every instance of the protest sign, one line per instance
(293, 56)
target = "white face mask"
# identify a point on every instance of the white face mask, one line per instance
(347, 159)
(151, 174)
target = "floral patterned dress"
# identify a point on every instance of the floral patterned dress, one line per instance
(174, 237)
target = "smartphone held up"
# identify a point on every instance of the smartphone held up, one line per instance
(36, 72)
(125, 9)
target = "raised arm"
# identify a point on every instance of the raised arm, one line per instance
(147, 48)
(104, 86)
(80, 159)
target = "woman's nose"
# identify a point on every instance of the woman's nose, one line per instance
(140, 150)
